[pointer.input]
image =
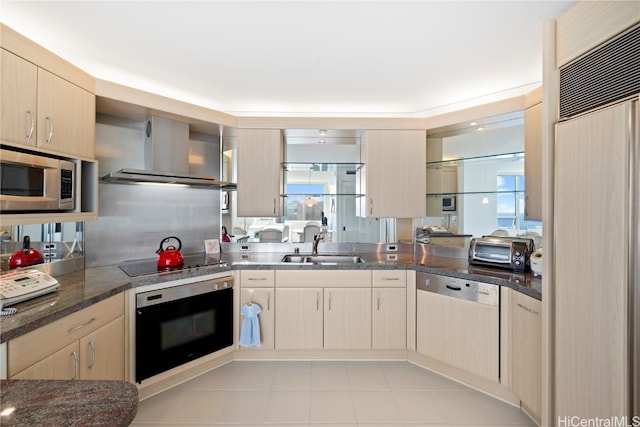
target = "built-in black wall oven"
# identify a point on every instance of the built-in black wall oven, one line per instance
(178, 324)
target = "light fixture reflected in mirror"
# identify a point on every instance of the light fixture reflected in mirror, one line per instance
(485, 200)
(310, 201)
(323, 132)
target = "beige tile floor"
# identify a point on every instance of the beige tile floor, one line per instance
(318, 394)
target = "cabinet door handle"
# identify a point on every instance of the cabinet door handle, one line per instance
(75, 328)
(31, 125)
(50, 125)
(329, 301)
(93, 355)
(75, 365)
(527, 309)
(370, 206)
(274, 205)
(317, 301)
(378, 301)
(269, 301)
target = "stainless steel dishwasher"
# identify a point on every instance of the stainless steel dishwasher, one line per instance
(458, 323)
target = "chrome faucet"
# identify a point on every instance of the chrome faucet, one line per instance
(316, 239)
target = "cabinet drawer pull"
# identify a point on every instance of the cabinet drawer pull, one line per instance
(31, 125)
(257, 278)
(75, 365)
(50, 125)
(527, 309)
(391, 278)
(75, 328)
(93, 355)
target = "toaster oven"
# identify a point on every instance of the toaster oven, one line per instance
(504, 252)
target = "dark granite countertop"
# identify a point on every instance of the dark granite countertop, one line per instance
(67, 403)
(83, 288)
(455, 267)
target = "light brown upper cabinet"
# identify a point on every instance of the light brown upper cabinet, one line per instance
(66, 116)
(394, 178)
(19, 99)
(260, 154)
(42, 110)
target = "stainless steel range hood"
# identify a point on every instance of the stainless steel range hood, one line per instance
(166, 157)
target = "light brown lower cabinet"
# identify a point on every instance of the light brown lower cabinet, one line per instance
(97, 356)
(525, 352)
(299, 318)
(389, 318)
(347, 318)
(61, 365)
(460, 333)
(101, 352)
(88, 344)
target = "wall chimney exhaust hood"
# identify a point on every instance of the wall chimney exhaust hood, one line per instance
(166, 157)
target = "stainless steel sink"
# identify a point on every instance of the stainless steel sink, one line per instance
(322, 259)
(296, 259)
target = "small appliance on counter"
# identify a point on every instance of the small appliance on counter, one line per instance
(536, 262)
(21, 285)
(512, 253)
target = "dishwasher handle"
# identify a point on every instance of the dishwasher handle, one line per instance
(454, 288)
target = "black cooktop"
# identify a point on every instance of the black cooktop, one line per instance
(150, 266)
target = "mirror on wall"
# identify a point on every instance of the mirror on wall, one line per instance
(476, 181)
(56, 241)
(319, 190)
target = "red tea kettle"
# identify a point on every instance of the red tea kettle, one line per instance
(225, 236)
(26, 256)
(170, 257)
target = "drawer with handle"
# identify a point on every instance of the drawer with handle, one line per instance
(257, 278)
(34, 346)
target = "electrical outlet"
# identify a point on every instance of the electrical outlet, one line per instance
(392, 248)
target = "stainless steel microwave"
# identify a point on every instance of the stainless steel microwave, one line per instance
(35, 183)
(448, 203)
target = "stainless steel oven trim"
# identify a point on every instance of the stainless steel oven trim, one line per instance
(147, 299)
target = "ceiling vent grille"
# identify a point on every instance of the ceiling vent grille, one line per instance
(608, 74)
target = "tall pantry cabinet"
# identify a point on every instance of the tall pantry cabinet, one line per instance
(594, 279)
(591, 207)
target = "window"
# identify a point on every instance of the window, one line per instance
(510, 203)
(298, 209)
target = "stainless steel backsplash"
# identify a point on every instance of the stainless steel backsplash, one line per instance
(133, 219)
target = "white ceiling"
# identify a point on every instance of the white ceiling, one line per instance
(301, 58)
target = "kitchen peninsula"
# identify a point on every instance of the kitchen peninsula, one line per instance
(67, 402)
